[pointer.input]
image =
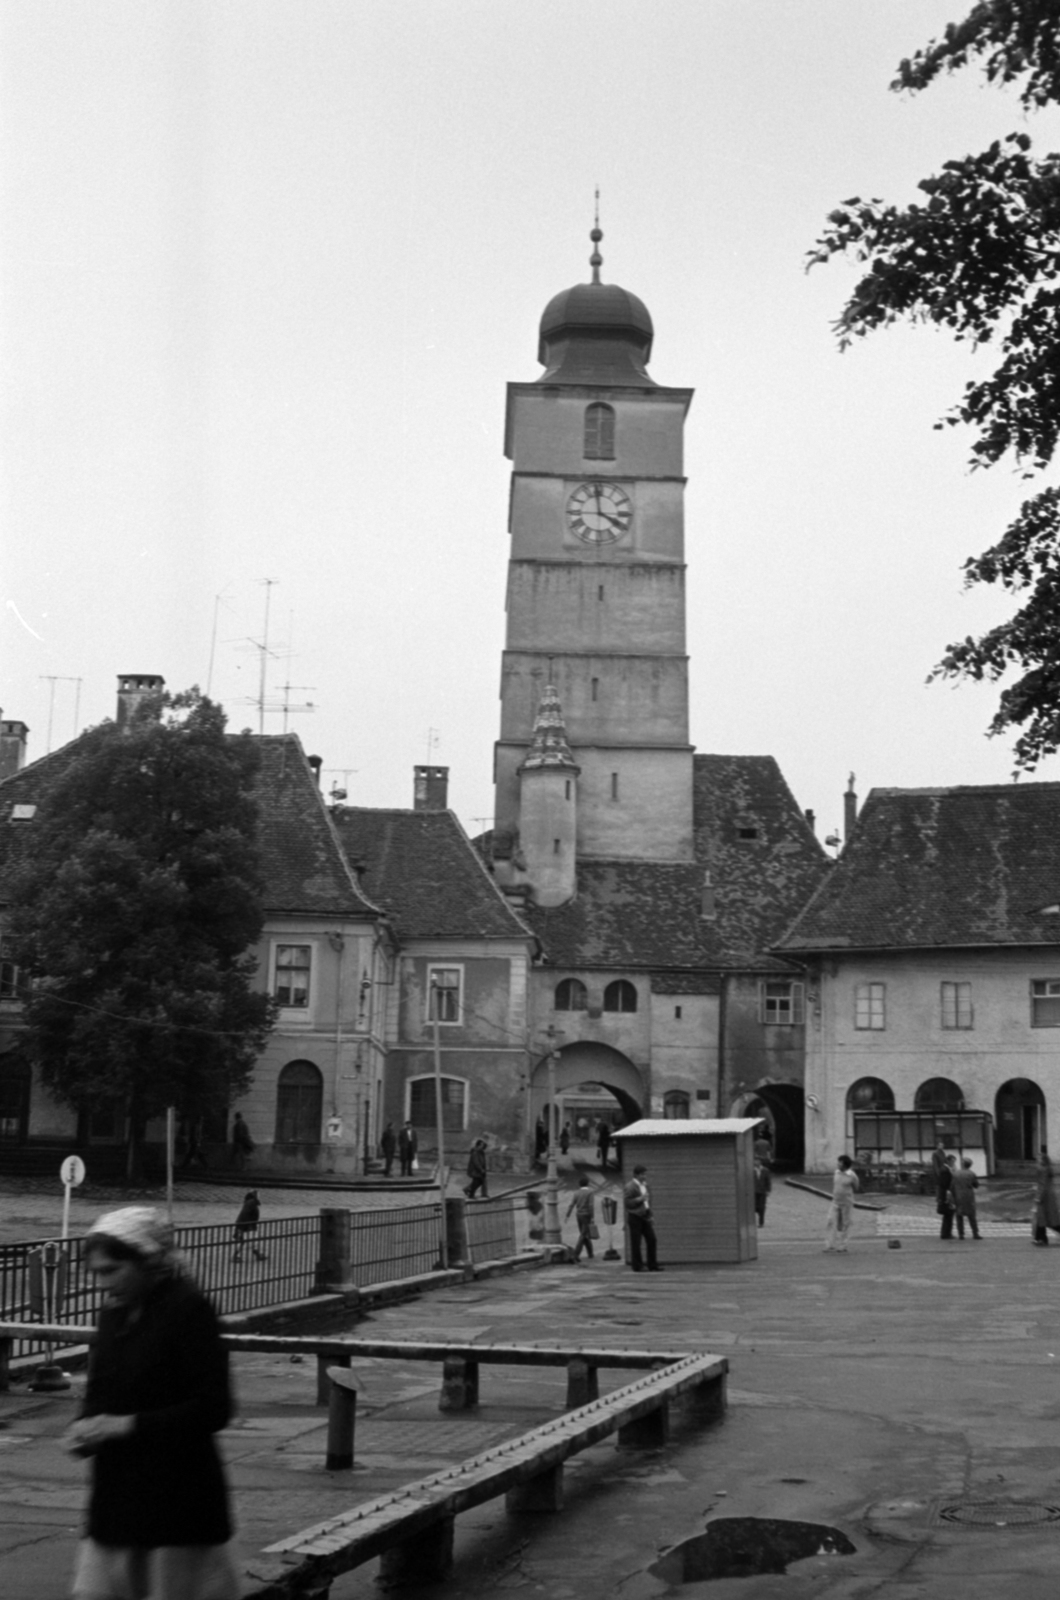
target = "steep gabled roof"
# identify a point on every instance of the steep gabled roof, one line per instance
(303, 869)
(969, 866)
(422, 868)
(303, 866)
(762, 860)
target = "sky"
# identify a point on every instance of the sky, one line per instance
(266, 267)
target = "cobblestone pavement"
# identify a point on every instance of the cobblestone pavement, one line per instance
(868, 1392)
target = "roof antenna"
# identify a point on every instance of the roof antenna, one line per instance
(596, 260)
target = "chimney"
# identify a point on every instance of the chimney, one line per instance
(850, 810)
(430, 789)
(316, 762)
(133, 689)
(12, 747)
(811, 820)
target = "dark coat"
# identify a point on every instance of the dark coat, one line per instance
(408, 1143)
(163, 1484)
(388, 1141)
(249, 1215)
(476, 1162)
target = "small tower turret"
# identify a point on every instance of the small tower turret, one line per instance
(548, 806)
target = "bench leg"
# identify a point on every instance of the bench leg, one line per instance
(707, 1402)
(648, 1432)
(459, 1385)
(542, 1493)
(583, 1383)
(427, 1558)
(342, 1421)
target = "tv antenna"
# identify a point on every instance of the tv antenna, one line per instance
(338, 792)
(53, 678)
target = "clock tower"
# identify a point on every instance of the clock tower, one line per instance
(596, 585)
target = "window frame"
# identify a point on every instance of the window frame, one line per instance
(598, 419)
(1050, 995)
(573, 985)
(870, 989)
(795, 999)
(456, 967)
(292, 1089)
(621, 986)
(957, 990)
(429, 1078)
(289, 1009)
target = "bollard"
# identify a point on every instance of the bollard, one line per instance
(323, 1380)
(456, 1240)
(342, 1419)
(459, 1384)
(583, 1383)
(333, 1264)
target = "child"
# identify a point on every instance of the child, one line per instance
(584, 1204)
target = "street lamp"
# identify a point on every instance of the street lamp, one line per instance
(552, 1228)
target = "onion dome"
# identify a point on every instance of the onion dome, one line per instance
(549, 747)
(596, 333)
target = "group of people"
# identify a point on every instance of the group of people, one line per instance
(404, 1144)
(955, 1193)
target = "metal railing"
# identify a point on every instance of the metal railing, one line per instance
(399, 1243)
(491, 1232)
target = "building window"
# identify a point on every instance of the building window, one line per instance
(444, 996)
(14, 985)
(938, 1094)
(594, 687)
(780, 1002)
(870, 1094)
(1045, 1003)
(620, 996)
(422, 1112)
(299, 1103)
(566, 789)
(956, 1005)
(293, 966)
(677, 1013)
(571, 995)
(747, 835)
(614, 785)
(599, 433)
(676, 1106)
(869, 1005)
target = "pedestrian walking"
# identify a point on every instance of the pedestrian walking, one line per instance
(763, 1151)
(963, 1188)
(242, 1143)
(944, 1202)
(1046, 1211)
(158, 1520)
(408, 1144)
(603, 1141)
(584, 1207)
(476, 1170)
(564, 1138)
(840, 1213)
(641, 1227)
(388, 1145)
(246, 1227)
(763, 1188)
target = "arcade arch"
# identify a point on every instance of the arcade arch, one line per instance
(1019, 1120)
(586, 1062)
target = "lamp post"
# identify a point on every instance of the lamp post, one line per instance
(552, 1228)
(436, 1003)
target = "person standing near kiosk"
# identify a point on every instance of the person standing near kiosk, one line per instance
(638, 1215)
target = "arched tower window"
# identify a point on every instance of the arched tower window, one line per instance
(599, 433)
(571, 995)
(299, 1103)
(620, 996)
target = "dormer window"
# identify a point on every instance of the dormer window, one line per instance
(599, 433)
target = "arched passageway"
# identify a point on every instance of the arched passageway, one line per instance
(1019, 1120)
(594, 1066)
(783, 1105)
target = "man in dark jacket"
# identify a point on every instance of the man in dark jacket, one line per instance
(641, 1228)
(476, 1170)
(408, 1144)
(388, 1145)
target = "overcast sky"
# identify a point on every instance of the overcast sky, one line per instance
(267, 265)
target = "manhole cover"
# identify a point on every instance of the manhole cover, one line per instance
(998, 1514)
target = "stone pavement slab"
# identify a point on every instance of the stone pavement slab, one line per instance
(869, 1392)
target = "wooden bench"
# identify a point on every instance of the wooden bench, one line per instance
(412, 1528)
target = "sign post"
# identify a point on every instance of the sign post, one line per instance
(72, 1174)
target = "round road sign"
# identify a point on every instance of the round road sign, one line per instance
(72, 1171)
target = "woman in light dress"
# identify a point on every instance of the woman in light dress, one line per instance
(844, 1186)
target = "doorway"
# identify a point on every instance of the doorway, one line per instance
(1019, 1113)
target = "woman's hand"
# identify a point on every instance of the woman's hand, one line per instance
(84, 1438)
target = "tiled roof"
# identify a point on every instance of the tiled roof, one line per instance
(302, 865)
(935, 867)
(637, 914)
(421, 867)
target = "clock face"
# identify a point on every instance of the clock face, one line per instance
(599, 512)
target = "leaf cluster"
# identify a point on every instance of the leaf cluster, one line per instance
(979, 256)
(134, 909)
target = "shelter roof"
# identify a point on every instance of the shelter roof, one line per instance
(423, 869)
(968, 866)
(669, 1127)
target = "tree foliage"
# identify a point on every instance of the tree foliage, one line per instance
(133, 912)
(980, 256)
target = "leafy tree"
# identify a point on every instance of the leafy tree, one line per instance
(981, 257)
(133, 912)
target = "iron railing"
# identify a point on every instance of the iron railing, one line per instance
(491, 1228)
(398, 1243)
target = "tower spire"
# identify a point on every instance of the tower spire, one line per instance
(596, 260)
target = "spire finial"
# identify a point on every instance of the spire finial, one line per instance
(596, 260)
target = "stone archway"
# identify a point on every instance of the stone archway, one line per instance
(783, 1106)
(1019, 1120)
(588, 1062)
